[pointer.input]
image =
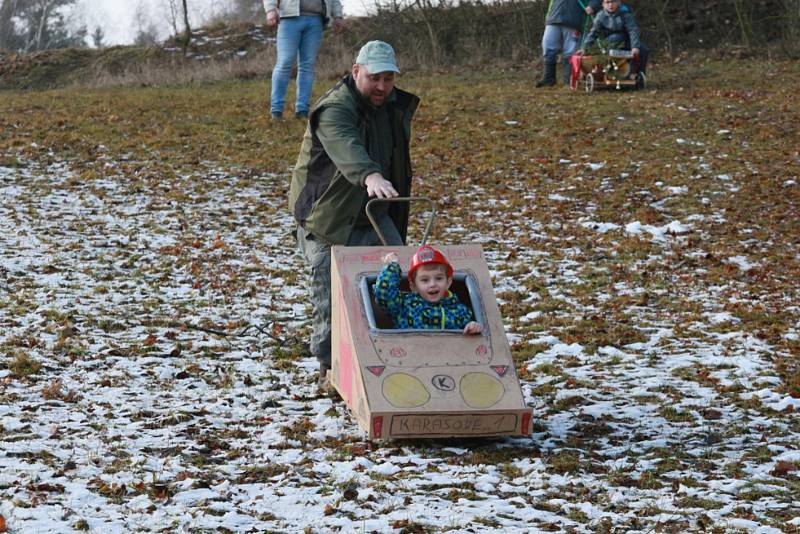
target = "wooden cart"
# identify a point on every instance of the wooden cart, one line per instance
(616, 69)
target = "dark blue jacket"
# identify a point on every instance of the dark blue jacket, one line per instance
(621, 23)
(570, 13)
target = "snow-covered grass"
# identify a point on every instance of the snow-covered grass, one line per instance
(153, 315)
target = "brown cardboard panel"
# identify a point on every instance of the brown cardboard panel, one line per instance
(412, 383)
(345, 369)
(475, 423)
(448, 424)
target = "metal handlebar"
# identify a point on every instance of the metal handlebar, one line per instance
(401, 199)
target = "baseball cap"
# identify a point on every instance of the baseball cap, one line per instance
(377, 56)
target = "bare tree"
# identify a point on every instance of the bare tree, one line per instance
(7, 10)
(147, 36)
(45, 7)
(97, 37)
(43, 25)
(146, 31)
(172, 15)
(188, 35)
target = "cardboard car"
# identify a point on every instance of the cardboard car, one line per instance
(422, 383)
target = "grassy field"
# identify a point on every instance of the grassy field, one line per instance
(645, 248)
(492, 131)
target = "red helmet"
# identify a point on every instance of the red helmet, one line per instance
(427, 255)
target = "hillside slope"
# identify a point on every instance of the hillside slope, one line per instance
(644, 251)
(56, 68)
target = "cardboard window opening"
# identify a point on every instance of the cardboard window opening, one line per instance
(465, 287)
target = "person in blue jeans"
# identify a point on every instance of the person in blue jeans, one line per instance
(300, 24)
(562, 33)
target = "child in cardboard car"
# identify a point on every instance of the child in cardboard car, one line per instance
(430, 305)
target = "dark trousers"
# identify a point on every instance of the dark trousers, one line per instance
(317, 255)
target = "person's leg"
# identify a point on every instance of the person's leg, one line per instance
(288, 41)
(318, 257)
(551, 46)
(310, 41)
(572, 42)
(551, 43)
(644, 54)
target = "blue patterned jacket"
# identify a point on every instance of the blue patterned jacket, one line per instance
(409, 310)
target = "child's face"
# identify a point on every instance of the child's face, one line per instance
(431, 282)
(611, 6)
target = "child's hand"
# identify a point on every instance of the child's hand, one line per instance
(389, 258)
(472, 328)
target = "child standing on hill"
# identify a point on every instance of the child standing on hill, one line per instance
(430, 304)
(616, 24)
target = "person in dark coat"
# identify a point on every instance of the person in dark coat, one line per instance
(356, 147)
(562, 34)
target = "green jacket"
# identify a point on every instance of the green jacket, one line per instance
(327, 194)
